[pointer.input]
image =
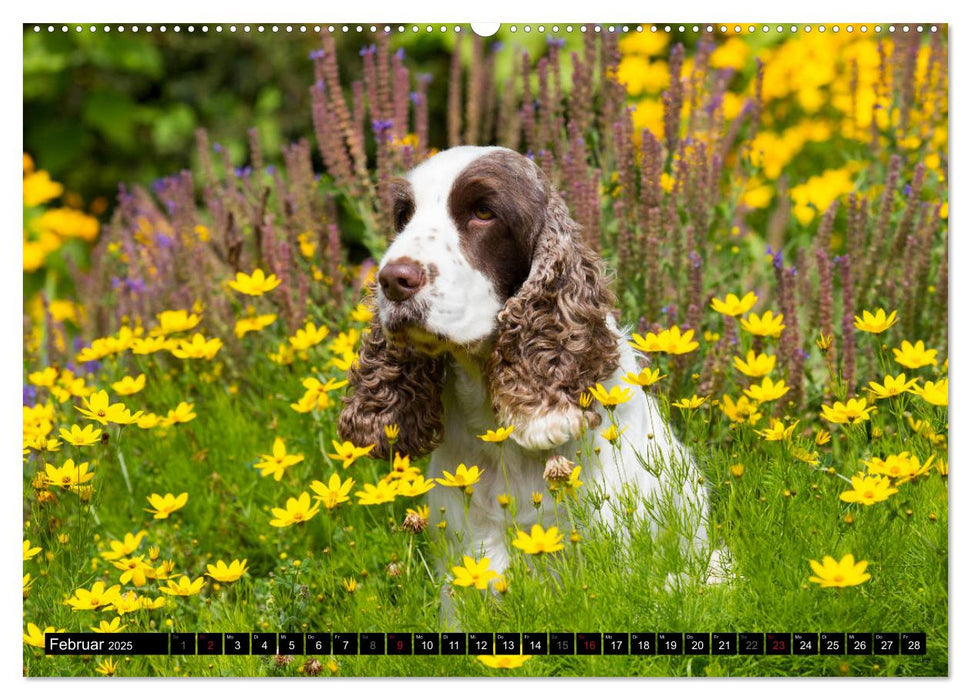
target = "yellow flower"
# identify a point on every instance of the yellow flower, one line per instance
(175, 322)
(854, 410)
(611, 434)
(148, 421)
(498, 435)
(401, 468)
(34, 636)
(124, 547)
(804, 455)
(464, 476)
(107, 667)
(755, 366)
(298, 511)
(253, 323)
(256, 284)
(670, 341)
(39, 188)
(30, 552)
(391, 431)
(902, 466)
(733, 306)
(164, 506)
(539, 541)
(227, 573)
(147, 346)
(316, 395)
(96, 407)
(876, 322)
(737, 470)
(617, 395)
(345, 342)
(503, 660)
(93, 599)
(414, 487)
(690, 403)
(766, 325)
(44, 378)
(334, 492)
(362, 314)
(88, 435)
(892, 386)
(129, 385)
(473, 573)
(537, 499)
(767, 390)
(135, 569)
(645, 377)
(585, 400)
(198, 348)
(914, 356)
(350, 585)
(184, 587)
(778, 431)
(933, 392)
(372, 495)
(308, 336)
(845, 573)
(744, 410)
(347, 452)
(868, 490)
(69, 475)
(822, 437)
(109, 627)
(183, 413)
(277, 463)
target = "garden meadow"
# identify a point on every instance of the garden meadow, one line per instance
(774, 207)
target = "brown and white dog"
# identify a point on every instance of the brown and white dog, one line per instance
(491, 311)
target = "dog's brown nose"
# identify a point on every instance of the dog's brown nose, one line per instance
(401, 279)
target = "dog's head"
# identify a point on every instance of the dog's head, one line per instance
(486, 263)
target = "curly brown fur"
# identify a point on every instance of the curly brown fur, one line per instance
(393, 384)
(553, 339)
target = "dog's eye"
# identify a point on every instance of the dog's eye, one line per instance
(483, 213)
(402, 216)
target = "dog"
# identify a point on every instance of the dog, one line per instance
(492, 312)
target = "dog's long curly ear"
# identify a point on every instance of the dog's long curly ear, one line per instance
(393, 384)
(554, 336)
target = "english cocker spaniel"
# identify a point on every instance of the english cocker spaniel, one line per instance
(492, 312)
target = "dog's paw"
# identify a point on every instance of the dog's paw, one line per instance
(548, 430)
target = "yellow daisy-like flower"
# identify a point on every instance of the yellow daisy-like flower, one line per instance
(175, 322)
(690, 403)
(107, 667)
(350, 585)
(308, 336)
(645, 377)
(778, 431)
(876, 322)
(391, 431)
(68, 475)
(96, 597)
(733, 306)
(804, 455)
(611, 434)
(464, 476)
(227, 573)
(674, 342)
(164, 506)
(853, 411)
(744, 410)
(276, 464)
(109, 627)
(617, 395)
(347, 452)
(125, 546)
(755, 365)
(183, 587)
(147, 346)
(902, 466)
(135, 569)
(30, 552)
(183, 413)
(78, 436)
(767, 390)
(503, 660)
(376, 494)
(362, 314)
(34, 636)
(845, 573)
(402, 468)
(766, 325)
(297, 511)
(868, 490)
(43, 378)
(198, 348)
(98, 407)
(252, 324)
(933, 392)
(415, 487)
(148, 421)
(498, 435)
(473, 573)
(892, 386)
(334, 492)
(256, 284)
(316, 396)
(822, 437)
(914, 356)
(539, 541)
